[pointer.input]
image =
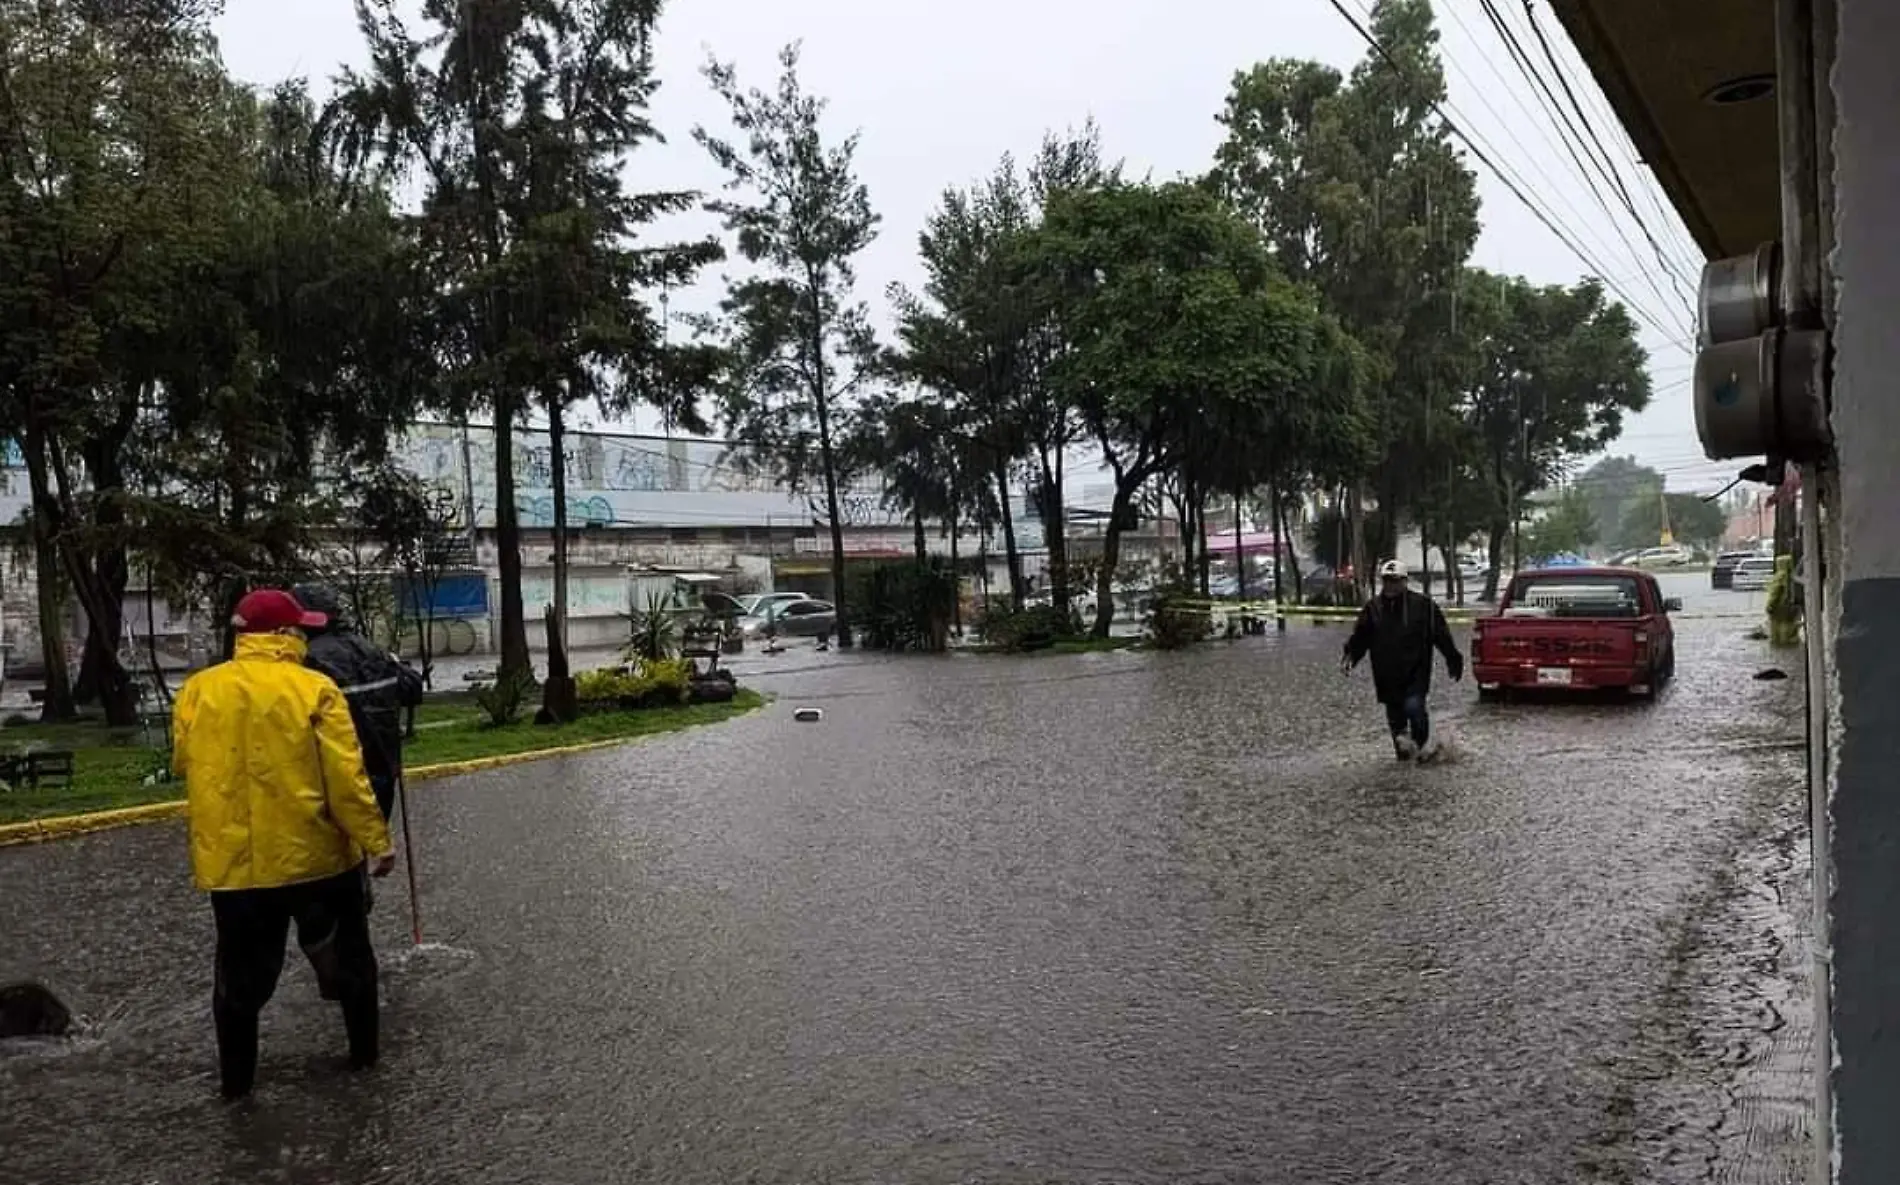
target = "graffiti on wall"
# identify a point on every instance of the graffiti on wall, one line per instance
(619, 480)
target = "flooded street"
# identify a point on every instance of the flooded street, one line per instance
(1127, 917)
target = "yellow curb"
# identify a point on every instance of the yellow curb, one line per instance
(62, 826)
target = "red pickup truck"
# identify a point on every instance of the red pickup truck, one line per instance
(1576, 629)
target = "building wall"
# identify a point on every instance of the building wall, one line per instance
(1864, 546)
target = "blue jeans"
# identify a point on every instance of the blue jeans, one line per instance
(1409, 713)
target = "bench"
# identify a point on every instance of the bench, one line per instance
(36, 767)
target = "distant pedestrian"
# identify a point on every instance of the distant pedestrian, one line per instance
(281, 820)
(1400, 628)
(376, 684)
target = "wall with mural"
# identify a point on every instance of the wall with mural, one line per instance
(612, 480)
(633, 481)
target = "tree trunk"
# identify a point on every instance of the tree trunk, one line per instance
(1111, 555)
(1282, 546)
(1055, 532)
(1498, 529)
(514, 622)
(558, 701)
(557, 468)
(918, 540)
(1356, 536)
(1011, 554)
(58, 701)
(1240, 555)
(956, 567)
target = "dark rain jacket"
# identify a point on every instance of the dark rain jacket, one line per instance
(377, 685)
(1400, 633)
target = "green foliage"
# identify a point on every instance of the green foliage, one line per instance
(1567, 526)
(1613, 486)
(906, 606)
(1182, 331)
(502, 700)
(1692, 521)
(1357, 185)
(1326, 533)
(798, 346)
(536, 281)
(1018, 630)
(655, 632)
(1177, 618)
(649, 684)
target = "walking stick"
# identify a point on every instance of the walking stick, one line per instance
(409, 860)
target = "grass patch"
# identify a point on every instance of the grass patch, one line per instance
(110, 765)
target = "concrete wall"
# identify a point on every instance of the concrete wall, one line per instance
(1863, 541)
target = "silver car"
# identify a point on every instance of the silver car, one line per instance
(806, 618)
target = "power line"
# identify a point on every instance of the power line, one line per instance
(1572, 138)
(1563, 80)
(1516, 191)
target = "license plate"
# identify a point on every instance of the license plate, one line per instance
(1554, 676)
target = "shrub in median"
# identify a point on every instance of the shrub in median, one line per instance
(646, 683)
(1035, 628)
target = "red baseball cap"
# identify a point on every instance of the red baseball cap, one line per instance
(263, 610)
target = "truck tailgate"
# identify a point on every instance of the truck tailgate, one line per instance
(1563, 651)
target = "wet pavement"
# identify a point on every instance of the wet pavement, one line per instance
(1122, 917)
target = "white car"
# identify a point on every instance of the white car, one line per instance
(1674, 556)
(1752, 574)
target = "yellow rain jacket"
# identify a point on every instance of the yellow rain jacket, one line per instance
(274, 779)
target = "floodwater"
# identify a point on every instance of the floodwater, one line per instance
(1109, 918)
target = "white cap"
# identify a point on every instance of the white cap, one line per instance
(1394, 570)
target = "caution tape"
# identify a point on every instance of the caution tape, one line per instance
(1273, 609)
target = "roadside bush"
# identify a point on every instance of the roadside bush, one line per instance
(502, 699)
(1177, 618)
(1035, 628)
(649, 685)
(905, 606)
(655, 632)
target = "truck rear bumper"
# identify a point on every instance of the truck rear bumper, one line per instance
(1515, 675)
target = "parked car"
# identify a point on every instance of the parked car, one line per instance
(1673, 555)
(1576, 629)
(1724, 568)
(804, 617)
(1753, 573)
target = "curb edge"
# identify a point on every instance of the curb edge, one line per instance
(55, 827)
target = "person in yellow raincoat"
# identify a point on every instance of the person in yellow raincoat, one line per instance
(282, 819)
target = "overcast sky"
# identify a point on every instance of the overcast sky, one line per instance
(940, 94)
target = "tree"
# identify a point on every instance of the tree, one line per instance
(518, 128)
(912, 444)
(1359, 189)
(1555, 371)
(1612, 486)
(1692, 520)
(412, 527)
(107, 127)
(1567, 527)
(1175, 316)
(800, 347)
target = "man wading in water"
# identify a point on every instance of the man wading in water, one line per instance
(1401, 628)
(281, 818)
(375, 683)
